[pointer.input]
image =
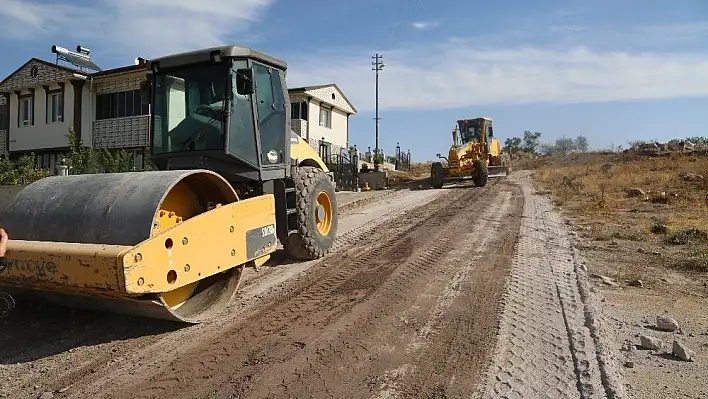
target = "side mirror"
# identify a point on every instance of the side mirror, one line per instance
(438, 155)
(145, 92)
(244, 81)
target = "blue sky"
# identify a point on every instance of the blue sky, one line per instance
(611, 70)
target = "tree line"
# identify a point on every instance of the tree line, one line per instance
(531, 143)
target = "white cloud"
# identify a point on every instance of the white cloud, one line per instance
(458, 74)
(424, 24)
(146, 28)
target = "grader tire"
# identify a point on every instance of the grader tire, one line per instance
(317, 215)
(480, 174)
(437, 175)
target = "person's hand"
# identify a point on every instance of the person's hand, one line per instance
(3, 242)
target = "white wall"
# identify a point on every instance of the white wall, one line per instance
(42, 134)
(337, 134)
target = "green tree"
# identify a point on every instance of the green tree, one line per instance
(564, 146)
(531, 141)
(24, 171)
(83, 160)
(115, 161)
(512, 145)
(581, 143)
(547, 149)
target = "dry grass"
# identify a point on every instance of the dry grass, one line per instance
(638, 199)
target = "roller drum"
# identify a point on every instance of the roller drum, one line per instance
(125, 209)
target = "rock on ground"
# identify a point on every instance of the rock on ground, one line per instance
(666, 323)
(682, 351)
(649, 342)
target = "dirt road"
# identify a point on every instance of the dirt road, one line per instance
(408, 305)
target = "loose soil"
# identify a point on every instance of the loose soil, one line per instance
(409, 308)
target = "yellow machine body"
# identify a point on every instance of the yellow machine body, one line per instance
(475, 154)
(305, 154)
(197, 248)
(173, 243)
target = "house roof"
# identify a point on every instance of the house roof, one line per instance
(47, 64)
(119, 71)
(304, 89)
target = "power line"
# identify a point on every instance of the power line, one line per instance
(377, 66)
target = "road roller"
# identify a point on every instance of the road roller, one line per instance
(232, 180)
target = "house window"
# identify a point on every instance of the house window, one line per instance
(326, 117)
(56, 107)
(298, 110)
(120, 105)
(26, 111)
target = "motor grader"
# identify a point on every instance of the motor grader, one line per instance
(232, 181)
(475, 154)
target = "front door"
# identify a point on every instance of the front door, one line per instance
(270, 101)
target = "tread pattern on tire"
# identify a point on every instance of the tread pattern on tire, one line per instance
(480, 174)
(307, 243)
(437, 175)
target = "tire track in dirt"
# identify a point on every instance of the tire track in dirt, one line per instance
(348, 360)
(437, 353)
(46, 354)
(549, 341)
(295, 320)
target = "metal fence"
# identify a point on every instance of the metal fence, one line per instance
(342, 163)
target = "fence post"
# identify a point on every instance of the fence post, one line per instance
(398, 155)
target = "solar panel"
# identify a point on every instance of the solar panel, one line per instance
(80, 60)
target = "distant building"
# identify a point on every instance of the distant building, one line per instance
(321, 111)
(41, 100)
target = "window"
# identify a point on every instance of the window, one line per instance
(271, 113)
(242, 134)
(298, 110)
(120, 105)
(56, 107)
(26, 111)
(189, 109)
(325, 117)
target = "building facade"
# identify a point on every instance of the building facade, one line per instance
(119, 117)
(321, 113)
(40, 102)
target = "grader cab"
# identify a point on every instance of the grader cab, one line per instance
(475, 154)
(233, 180)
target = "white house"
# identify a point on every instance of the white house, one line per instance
(319, 112)
(40, 101)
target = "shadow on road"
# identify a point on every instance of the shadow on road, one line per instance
(37, 329)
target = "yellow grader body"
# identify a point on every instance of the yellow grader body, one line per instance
(475, 154)
(173, 243)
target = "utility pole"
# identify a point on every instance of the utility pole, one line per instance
(377, 66)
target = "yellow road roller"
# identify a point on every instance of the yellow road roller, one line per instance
(233, 180)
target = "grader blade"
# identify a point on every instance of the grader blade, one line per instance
(497, 171)
(163, 244)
